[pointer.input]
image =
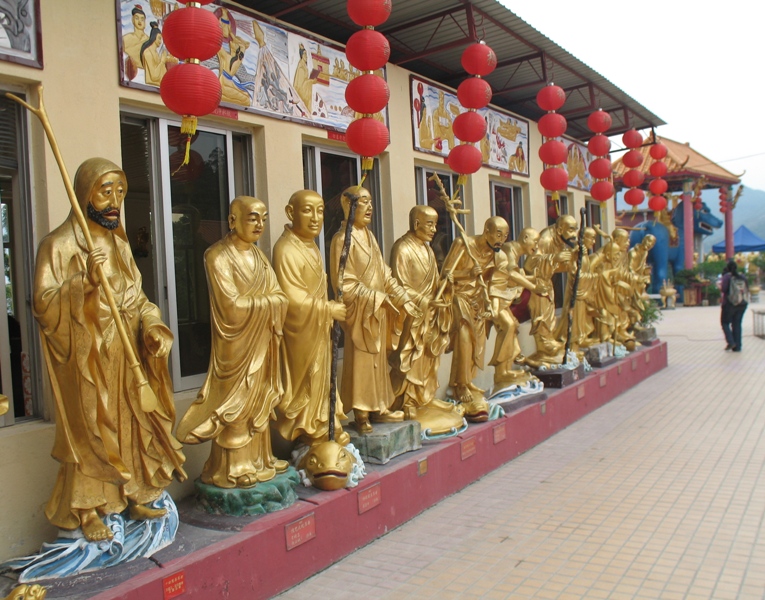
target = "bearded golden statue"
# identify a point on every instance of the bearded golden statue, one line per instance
(415, 362)
(244, 381)
(300, 272)
(116, 451)
(375, 303)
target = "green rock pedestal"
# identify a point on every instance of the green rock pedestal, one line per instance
(386, 441)
(265, 497)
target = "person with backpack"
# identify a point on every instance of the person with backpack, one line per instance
(735, 298)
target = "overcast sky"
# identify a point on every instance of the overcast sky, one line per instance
(699, 66)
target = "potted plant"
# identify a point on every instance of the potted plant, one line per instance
(645, 332)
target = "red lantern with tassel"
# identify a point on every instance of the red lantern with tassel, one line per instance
(657, 203)
(369, 13)
(465, 159)
(368, 50)
(474, 93)
(553, 152)
(554, 179)
(367, 137)
(469, 127)
(189, 89)
(479, 59)
(367, 94)
(634, 196)
(602, 190)
(599, 145)
(658, 187)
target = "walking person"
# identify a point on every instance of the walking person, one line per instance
(735, 299)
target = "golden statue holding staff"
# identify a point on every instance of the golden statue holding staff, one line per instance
(300, 272)
(374, 300)
(113, 441)
(415, 362)
(471, 266)
(244, 381)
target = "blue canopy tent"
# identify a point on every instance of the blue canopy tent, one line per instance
(743, 241)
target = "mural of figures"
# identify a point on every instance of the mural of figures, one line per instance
(434, 109)
(577, 165)
(19, 31)
(261, 67)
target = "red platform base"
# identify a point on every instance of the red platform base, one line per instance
(279, 550)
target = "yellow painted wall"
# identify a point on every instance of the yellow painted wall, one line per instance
(84, 100)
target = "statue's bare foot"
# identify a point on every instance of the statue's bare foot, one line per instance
(93, 528)
(343, 438)
(362, 422)
(473, 387)
(281, 466)
(141, 512)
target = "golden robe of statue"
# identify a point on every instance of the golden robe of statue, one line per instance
(374, 300)
(112, 453)
(470, 308)
(613, 296)
(244, 380)
(307, 328)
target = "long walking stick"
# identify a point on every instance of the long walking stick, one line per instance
(354, 198)
(147, 395)
(575, 286)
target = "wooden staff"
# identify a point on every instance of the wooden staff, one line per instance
(147, 396)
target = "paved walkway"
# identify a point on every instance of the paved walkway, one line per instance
(659, 494)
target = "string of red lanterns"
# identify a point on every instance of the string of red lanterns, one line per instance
(473, 93)
(633, 178)
(599, 146)
(658, 186)
(724, 204)
(552, 152)
(367, 50)
(192, 35)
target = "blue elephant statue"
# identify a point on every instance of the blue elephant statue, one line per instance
(668, 252)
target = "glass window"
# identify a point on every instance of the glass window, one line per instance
(507, 202)
(191, 207)
(556, 209)
(594, 219)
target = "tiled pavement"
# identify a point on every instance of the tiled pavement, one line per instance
(658, 494)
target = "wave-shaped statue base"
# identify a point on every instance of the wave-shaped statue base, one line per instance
(72, 554)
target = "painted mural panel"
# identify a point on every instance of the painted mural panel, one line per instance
(505, 147)
(20, 37)
(262, 68)
(577, 164)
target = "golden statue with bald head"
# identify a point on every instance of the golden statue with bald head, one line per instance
(307, 328)
(113, 453)
(244, 381)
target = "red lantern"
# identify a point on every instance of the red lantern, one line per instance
(602, 190)
(367, 136)
(599, 121)
(554, 179)
(633, 178)
(552, 125)
(368, 50)
(553, 152)
(551, 97)
(599, 145)
(367, 94)
(469, 127)
(697, 205)
(479, 59)
(723, 193)
(632, 139)
(465, 159)
(474, 93)
(658, 187)
(658, 169)
(634, 196)
(633, 159)
(657, 203)
(369, 13)
(190, 89)
(658, 151)
(723, 207)
(192, 33)
(600, 168)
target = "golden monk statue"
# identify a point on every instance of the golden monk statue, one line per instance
(113, 454)
(471, 309)
(613, 296)
(375, 301)
(554, 256)
(244, 380)
(415, 361)
(300, 272)
(506, 348)
(637, 261)
(582, 326)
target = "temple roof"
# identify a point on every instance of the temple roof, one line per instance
(683, 162)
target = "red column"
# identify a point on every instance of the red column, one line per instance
(688, 224)
(729, 232)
